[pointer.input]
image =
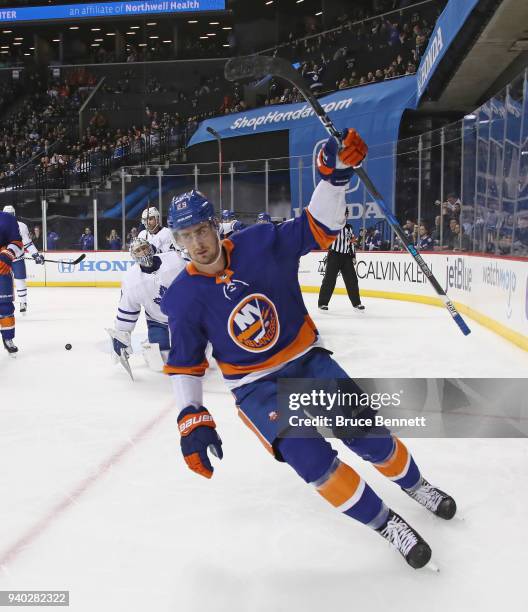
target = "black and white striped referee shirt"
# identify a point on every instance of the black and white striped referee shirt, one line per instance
(342, 244)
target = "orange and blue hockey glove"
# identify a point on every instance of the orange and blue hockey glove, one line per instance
(198, 435)
(337, 159)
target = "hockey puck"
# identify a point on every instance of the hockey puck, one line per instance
(68, 347)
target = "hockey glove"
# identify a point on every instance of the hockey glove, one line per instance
(39, 259)
(336, 160)
(198, 435)
(6, 260)
(120, 342)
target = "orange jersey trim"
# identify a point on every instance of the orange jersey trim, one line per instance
(341, 485)
(196, 370)
(305, 338)
(323, 239)
(396, 463)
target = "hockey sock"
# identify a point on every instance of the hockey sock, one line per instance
(399, 466)
(316, 462)
(389, 455)
(7, 327)
(7, 320)
(344, 488)
(21, 290)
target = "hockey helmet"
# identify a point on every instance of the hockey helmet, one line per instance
(189, 209)
(228, 215)
(151, 211)
(263, 217)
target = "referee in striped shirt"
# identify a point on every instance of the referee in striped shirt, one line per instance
(341, 258)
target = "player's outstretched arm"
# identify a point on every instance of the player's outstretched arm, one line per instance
(321, 222)
(198, 435)
(335, 164)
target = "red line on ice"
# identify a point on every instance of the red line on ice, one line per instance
(70, 498)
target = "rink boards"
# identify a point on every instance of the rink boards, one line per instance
(490, 290)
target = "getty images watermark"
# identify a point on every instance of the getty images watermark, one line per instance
(410, 407)
(338, 403)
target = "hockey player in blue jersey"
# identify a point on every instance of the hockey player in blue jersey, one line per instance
(263, 217)
(10, 249)
(243, 296)
(229, 224)
(19, 265)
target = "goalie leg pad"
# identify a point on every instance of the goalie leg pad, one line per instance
(154, 358)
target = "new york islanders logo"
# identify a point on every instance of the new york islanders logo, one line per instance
(254, 324)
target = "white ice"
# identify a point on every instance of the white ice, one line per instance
(97, 500)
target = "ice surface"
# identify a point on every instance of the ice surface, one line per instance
(96, 497)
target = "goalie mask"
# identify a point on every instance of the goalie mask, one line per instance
(142, 252)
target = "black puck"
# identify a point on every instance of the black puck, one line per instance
(68, 347)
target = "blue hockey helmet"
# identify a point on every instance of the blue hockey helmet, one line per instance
(188, 209)
(263, 217)
(228, 215)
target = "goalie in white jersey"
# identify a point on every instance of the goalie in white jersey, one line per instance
(161, 237)
(19, 265)
(144, 285)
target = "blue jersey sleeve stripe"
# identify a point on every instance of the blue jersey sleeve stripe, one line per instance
(129, 312)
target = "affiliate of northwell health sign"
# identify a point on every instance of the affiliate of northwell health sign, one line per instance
(82, 10)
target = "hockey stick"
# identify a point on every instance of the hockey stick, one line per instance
(62, 261)
(260, 65)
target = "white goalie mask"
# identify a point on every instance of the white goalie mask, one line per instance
(142, 252)
(10, 210)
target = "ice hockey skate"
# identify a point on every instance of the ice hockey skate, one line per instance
(435, 500)
(10, 347)
(413, 548)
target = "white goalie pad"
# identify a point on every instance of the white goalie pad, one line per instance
(154, 358)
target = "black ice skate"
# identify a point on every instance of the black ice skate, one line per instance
(406, 540)
(23, 307)
(10, 347)
(433, 499)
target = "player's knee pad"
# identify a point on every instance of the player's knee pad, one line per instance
(311, 458)
(372, 443)
(159, 334)
(372, 448)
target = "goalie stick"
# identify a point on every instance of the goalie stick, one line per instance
(260, 65)
(62, 261)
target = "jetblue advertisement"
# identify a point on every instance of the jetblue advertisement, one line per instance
(135, 8)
